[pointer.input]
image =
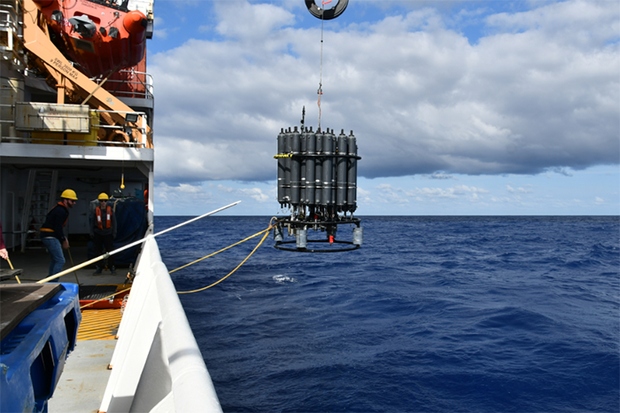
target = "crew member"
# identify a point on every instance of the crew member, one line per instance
(103, 231)
(51, 231)
(3, 252)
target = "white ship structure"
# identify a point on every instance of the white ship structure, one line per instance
(76, 112)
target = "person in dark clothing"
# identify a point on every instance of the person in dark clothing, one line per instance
(103, 231)
(3, 252)
(51, 231)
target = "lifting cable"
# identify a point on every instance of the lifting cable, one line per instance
(320, 91)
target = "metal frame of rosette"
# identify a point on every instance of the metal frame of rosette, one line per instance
(317, 181)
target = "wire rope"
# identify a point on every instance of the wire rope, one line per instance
(320, 91)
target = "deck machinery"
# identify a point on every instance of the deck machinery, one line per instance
(317, 181)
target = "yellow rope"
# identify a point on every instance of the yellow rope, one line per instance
(266, 231)
(223, 249)
(11, 265)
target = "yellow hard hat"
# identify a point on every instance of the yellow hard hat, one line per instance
(102, 196)
(69, 194)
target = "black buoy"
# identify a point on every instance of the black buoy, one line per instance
(328, 14)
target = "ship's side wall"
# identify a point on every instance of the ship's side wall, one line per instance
(157, 365)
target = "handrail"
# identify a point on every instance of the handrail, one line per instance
(28, 141)
(148, 85)
(37, 42)
(9, 24)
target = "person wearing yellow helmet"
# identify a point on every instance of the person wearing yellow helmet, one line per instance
(51, 232)
(103, 231)
(69, 194)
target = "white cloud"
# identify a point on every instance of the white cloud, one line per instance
(197, 199)
(363, 196)
(224, 189)
(257, 194)
(396, 195)
(453, 192)
(523, 190)
(391, 195)
(264, 18)
(159, 21)
(181, 196)
(439, 175)
(552, 20)
(540, 92)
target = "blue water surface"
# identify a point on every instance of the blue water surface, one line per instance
(432, 314)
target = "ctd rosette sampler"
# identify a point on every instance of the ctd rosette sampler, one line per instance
(317, 181)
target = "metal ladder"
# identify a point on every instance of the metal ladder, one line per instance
(40, 199)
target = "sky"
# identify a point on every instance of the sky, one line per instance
(458, 107)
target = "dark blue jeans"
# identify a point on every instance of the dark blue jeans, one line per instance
(57, 257)
(99, 242)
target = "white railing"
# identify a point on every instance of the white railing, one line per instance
(142, 83)
(55, 138)
(9, 25)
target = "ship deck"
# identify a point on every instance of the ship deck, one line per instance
(83, 382)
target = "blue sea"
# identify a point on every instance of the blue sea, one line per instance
(432, 314)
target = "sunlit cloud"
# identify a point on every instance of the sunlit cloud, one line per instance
(439, 91)
(537, 93)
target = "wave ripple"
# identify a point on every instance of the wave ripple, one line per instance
(433, 314)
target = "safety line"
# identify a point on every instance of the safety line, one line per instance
(223, 249)
(237, 267)
(266, 231)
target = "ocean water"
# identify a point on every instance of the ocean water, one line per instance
(432, 314)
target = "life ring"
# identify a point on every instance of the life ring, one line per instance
(327, 14)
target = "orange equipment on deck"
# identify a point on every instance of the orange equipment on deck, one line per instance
(99, 35)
